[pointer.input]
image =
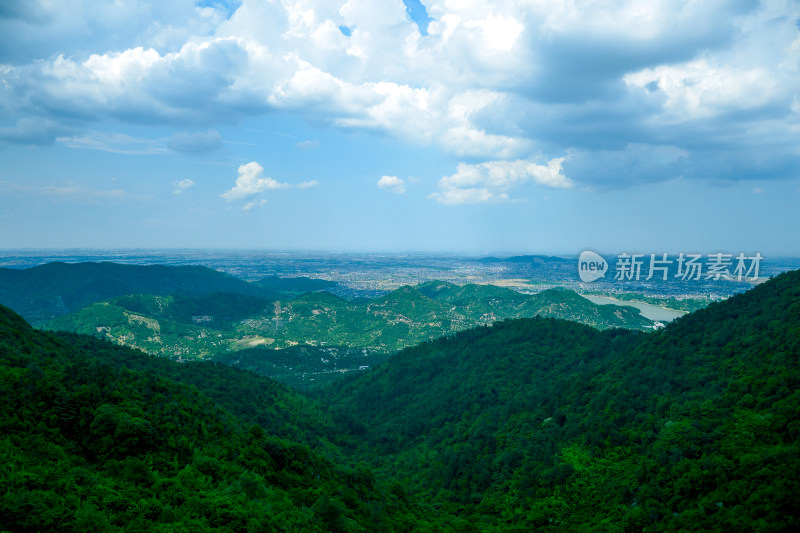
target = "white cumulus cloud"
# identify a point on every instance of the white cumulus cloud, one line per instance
(252, 181)
(392, 184)
(492, 181)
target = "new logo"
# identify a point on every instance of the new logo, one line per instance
(591, 266)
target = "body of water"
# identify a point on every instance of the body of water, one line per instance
(653, 312)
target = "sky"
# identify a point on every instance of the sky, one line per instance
(381, 125)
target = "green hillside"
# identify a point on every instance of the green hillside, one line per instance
(303, 367)
(43, 292)
(220, 325)
(290, 287)
(100, 438)
(532, 424)
(546, 424)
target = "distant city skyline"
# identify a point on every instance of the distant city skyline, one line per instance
(365, 126)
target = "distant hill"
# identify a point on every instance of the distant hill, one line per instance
(290, 287)
(545, 424)
(486, 304)
(44, 292)
(54, 289)
(533, 259)
(218, 326)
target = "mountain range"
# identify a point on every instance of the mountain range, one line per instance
(530, 424)
(53, 289)
(549, 424)
(197, 313)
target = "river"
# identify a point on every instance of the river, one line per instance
(651, 311)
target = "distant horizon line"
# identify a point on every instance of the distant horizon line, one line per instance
(465, 253)
(290, 251)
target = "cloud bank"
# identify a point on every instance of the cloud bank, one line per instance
(697, 90)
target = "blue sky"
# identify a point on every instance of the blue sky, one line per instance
(365, 125)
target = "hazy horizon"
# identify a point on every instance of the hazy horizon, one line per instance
(463, 253)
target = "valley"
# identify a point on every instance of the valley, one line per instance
(276, 314)
(522, 425)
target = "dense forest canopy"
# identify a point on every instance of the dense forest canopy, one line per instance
(54, 289)
(99, 437)
(530, 424)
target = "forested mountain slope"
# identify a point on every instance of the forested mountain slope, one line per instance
(548, 424)
(95, 437)
(54, 289)
(323, 333)
(526, 425)
(45, 291)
